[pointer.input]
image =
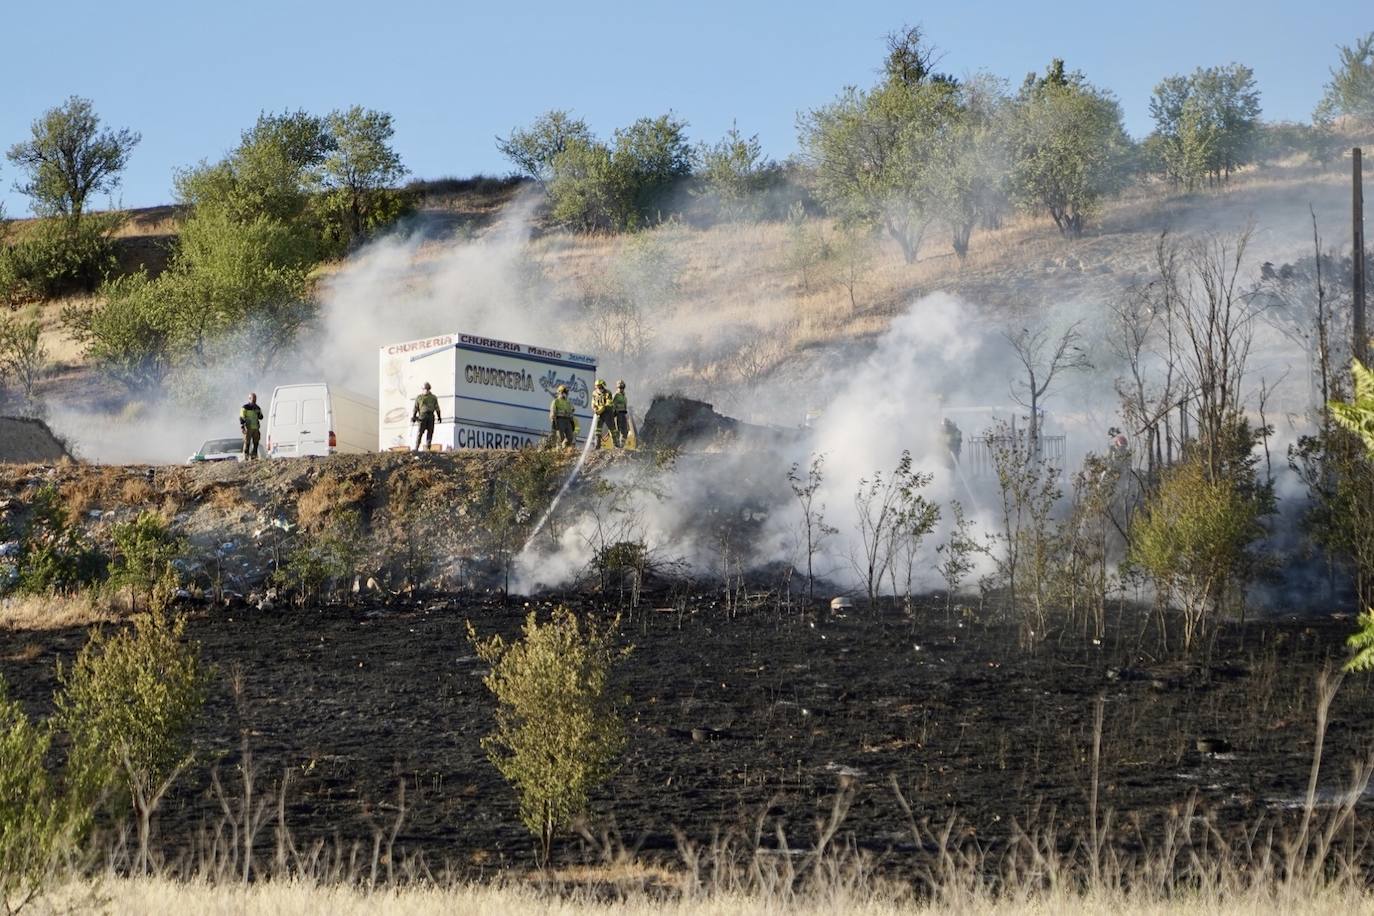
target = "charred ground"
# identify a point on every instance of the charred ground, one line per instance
(759, 712)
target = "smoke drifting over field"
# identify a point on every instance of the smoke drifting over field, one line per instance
(940, 355)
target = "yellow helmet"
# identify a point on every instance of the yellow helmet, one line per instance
(601, 383)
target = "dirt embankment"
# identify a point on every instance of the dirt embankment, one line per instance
(408, 517)
(26, 440)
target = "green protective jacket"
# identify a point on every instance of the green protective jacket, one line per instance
(561, 407)
(426, 405)
(620, 403)
(601, 401)
(250, 417)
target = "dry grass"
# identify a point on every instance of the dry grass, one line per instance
(84, 492)
(54, 612)
(153, 897)
(329, 495)
(136, 492)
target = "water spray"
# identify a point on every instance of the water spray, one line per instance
(572, 475)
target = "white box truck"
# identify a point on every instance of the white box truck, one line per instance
(492, 393)
(318, 419)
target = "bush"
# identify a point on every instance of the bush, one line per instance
(22, 353)
(34, 821)
(53, 555)
(144, 550)
(58, 257)
(1193, 538)
(558, 730)
(317, 563)
(129, 704)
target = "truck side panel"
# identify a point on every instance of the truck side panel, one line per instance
(492, 394)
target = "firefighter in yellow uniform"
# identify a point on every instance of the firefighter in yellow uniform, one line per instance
(620, 415)
(250, 424)
(601, 406)
(561, 418)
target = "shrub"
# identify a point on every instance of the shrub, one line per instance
(22, 353)
(57, 257)
(34, 823)
(318, 562)
(53, 555)
(1193, 538)
(129, 704)
(144, 550)
(558, 730)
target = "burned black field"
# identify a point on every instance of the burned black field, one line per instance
(748, 719)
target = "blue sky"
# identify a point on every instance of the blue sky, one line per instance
(191, 75)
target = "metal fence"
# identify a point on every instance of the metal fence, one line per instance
(978, 457)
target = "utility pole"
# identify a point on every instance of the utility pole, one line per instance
(1361, 342)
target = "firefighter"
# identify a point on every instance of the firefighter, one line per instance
(953, 439)
(561, 418)
(250, 424)
(620, 416)
(601, 406)
(426, 413)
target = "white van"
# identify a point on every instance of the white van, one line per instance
(319, 419)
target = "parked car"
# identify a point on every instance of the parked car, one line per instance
(218, 450)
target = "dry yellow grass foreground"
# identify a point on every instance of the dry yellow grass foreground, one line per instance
(155, 897)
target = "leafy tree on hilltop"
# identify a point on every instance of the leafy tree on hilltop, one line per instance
(918, 148)
(655, 154)
(534, 148)
(736, 171)
(595, 187)
(1206, 124)
(871, 148)
(1351, 90)
(360, 169)
(1069, 148)
(68, 157)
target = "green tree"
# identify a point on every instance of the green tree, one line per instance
(558, 728)
(966, 164)
(22, 352)
(876, 152)
(238, 282)
(1068, 147)
(68, 157)
(36, 823)
(655, 154)
(1207, 123)
(868, 149)
(360, 170)
(56, 257)
(130, 337)
(1350, 92)
(534, 148)
(129, 703)
(273, 172)
(589, 190)
(1192, 538)
(735, 172)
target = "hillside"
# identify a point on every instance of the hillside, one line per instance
(725, 311)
